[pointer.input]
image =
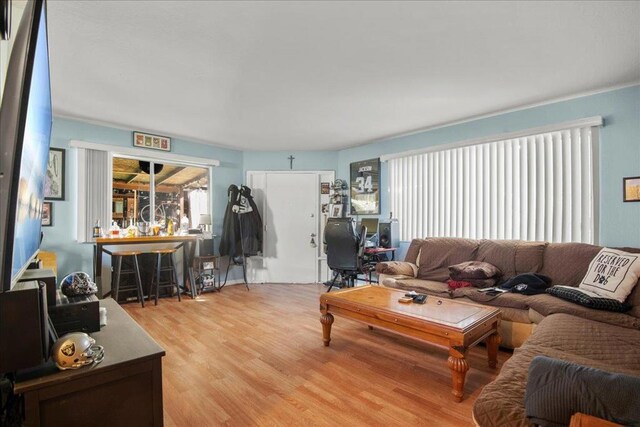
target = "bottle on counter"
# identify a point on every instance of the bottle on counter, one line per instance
(114, 230)
(170, 227)
(96, 228)
(184, 224)
(132, 230)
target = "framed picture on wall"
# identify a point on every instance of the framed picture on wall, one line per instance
(631, 189)
(154, 142)
(336, 211)
(365, 187)
(54, 180)
(47, 214)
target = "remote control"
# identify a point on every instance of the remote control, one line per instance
(420, 299)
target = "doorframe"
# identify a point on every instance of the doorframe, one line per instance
(320, 256)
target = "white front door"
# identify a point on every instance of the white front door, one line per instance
(291, 205)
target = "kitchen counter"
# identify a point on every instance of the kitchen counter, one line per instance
(186, 242)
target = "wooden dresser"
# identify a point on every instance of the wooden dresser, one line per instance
(125, 389)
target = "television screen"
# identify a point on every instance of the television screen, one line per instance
(26, 121)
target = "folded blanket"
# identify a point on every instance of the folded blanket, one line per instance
(479, 274)
(557, 389)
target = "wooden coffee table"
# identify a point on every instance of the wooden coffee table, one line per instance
(454, 325)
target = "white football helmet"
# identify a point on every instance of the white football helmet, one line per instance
(75, 350)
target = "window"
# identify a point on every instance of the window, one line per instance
(530, 186)
(179, 190)
(153, 192)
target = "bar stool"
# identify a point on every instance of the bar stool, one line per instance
(131, 256)
(158, 269)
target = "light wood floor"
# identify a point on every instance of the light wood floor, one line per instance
(256, 358)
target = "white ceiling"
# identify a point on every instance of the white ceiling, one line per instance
(327, 75)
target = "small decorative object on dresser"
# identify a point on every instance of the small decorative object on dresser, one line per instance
(47, 214)
(54, 180)
(631, 189)
(325, 187)
(155, 142)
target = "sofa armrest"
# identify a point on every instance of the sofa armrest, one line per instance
(397, 268)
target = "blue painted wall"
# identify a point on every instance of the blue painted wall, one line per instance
(619, 157)
(619, 151)
(278, 160)
(61, 236)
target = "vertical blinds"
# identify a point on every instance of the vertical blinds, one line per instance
(94, 201)
(536, 187)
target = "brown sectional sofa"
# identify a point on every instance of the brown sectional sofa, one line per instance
(533, 325)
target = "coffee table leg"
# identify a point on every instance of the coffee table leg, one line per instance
(493, 341)
(326, 320)
(459, 368)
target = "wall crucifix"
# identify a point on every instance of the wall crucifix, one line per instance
(291, 159)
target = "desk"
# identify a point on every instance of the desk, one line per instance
(379, 250)
(372, 257)
(124, 389)
(188, 243)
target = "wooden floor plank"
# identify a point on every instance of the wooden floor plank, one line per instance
(256, 357)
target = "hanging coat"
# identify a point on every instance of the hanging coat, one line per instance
(230, 240)
(242, 225)
(250, 222)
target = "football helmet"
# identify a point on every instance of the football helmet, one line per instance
(75, 350)
(78, 283)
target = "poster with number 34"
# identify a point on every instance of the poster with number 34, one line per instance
(365, 187)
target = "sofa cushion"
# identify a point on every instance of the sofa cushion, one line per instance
(413, 251)
(394, 268)
(634, 297)
(556, 263)
(422, 286)
(501, 253)
(547, 305)
(512, 257)
(612, 274)
(437, 254)
(529, 257)
(507, 299)
(634, 300)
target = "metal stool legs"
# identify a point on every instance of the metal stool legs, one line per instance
(172, 279)
(119, 273)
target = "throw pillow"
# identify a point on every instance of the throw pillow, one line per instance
(478, 273)
(612, 274)
(577, 296)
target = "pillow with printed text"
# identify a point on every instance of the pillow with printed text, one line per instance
(612, 274)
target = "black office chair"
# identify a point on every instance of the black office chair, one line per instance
(345, 248)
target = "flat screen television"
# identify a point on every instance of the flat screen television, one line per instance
(25, 132)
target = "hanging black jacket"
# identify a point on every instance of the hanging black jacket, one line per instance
(242, 225)
(250, 222)
(230, 239)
